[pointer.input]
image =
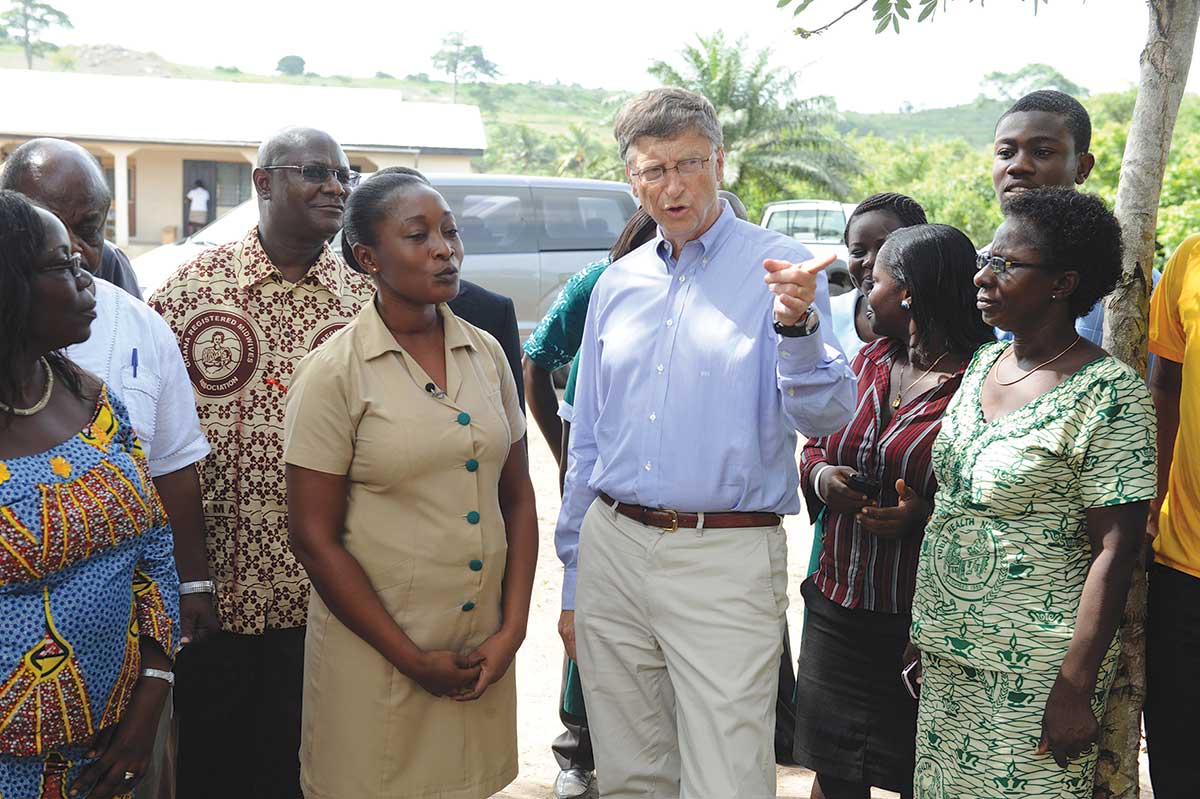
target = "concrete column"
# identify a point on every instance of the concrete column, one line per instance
(121, 191)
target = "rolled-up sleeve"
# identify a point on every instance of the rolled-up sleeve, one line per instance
(816, 384)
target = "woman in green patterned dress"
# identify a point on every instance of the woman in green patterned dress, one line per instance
(1045, 465)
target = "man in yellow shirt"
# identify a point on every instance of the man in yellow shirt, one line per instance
(1173, 627)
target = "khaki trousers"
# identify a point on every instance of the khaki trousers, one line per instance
(679, 636)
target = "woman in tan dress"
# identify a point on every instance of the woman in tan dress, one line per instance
(411, 508)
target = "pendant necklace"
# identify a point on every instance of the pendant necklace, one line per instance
(900, 394)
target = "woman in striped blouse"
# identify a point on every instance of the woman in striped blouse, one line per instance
(871, 487)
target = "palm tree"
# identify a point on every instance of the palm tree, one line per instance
(772, 140)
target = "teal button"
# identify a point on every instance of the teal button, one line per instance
(472, 465)
(468, 606)
(464, 418)
(473, 517)
(475, 565)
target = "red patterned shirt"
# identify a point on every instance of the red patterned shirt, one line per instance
(859, 570)
(242, 329)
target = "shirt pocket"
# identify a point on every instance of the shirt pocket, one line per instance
(140, 391)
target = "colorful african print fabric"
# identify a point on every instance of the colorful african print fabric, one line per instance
(242, 329)
(86, 568)
(978, 731)
(1006, 551)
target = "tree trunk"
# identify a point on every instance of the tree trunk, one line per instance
(28, 38)
(1165, 63)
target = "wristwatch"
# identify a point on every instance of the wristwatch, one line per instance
(159, 674)
(805, 326)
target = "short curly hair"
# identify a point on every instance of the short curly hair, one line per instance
(1078, 234)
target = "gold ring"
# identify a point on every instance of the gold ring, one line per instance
(129, 775)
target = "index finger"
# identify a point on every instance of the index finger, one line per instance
(815, 266)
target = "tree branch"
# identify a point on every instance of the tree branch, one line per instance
(823, 28)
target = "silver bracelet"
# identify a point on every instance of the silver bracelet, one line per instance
(158, 674)
(816, 480)
(197, 587)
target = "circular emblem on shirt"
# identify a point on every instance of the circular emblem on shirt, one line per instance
(966, 560)
(325, 334)
(221, 352)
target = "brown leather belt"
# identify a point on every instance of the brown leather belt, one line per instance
(672, 520)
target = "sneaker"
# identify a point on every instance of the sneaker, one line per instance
(572, 783)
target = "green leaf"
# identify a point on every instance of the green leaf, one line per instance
(902, 8)
(782, 3)
(801, 7)
(883, 25)
(928, 11)
(896, 23)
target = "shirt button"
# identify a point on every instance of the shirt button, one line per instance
(473, 517)
(475, 565)
(785, 354)
(682, 279)
(464, 418)
(659, 368)
(468, 606)
(653, 416)
(647, 465)
(704, 261)
(472, 465)
(670, 322)
(791, 392)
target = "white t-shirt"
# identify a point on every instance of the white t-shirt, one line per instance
(158, 393)
(199, 199)
(843, 306)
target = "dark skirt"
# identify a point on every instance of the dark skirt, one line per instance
(854, 717)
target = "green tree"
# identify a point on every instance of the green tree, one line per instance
(772, 140)
(291, 65)
(25, 23)
(581, 154)
(462, 61)
(1031, 77)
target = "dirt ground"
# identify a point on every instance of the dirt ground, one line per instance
(539, 663)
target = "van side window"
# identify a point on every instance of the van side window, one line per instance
(492, 219)
(576, 219)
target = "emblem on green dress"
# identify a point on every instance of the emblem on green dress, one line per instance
(965, 559)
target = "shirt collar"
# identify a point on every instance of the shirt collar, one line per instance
(256, 267)
(709, 241)
(378, 340)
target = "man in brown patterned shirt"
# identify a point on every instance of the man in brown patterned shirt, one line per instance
(245, 314)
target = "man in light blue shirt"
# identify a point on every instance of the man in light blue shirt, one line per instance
(702, 358)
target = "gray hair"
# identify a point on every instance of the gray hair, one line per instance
(663, 114)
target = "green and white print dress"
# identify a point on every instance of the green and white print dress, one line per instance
(1002, 569)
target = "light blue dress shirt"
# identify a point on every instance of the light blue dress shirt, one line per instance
(686, 398)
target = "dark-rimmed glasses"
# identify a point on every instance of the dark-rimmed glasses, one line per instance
(1001, 267)
(73, 264)
(688, 166)
(317, 174)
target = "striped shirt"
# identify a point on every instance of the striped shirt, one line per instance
(859, 570)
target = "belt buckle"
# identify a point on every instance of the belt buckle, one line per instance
(674, 521)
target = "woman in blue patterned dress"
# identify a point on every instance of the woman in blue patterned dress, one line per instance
(88, 589)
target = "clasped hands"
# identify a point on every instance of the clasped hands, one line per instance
(908, 514)
(465, 678)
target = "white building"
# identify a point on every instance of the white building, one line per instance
(165, 133)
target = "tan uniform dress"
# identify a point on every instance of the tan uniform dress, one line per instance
(423, 519)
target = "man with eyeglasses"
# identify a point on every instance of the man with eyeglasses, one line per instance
(244, 315)
(134, 352)
(702, 357)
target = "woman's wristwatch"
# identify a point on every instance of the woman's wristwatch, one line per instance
(159, 674)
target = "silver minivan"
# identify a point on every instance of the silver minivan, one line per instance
(524, 236)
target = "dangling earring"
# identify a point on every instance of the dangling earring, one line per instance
(906, 304)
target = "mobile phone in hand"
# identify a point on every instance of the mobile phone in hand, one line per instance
(864, 485)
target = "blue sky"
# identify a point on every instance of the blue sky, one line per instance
(609, 44)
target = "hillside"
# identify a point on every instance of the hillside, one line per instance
(975, 122)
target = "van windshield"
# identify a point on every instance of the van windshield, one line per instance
(813, 225)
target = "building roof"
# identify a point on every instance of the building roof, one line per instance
(205, 112)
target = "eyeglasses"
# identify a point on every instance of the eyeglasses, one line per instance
(688, 166)
(317, 174)
(1001, 267)
(73, 263)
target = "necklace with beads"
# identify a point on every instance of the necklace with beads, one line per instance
(41, 403)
